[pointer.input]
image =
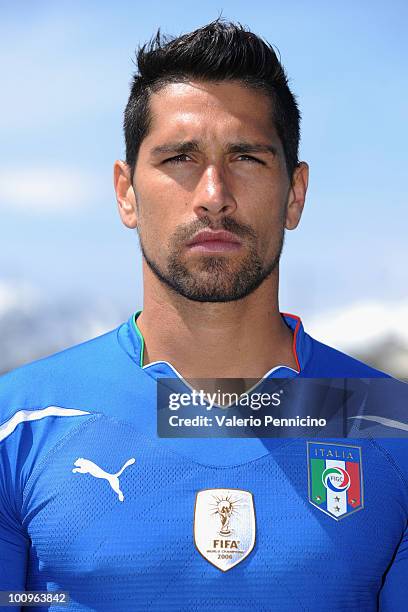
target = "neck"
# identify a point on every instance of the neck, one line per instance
(241, 339)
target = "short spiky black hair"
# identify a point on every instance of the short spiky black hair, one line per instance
(219, 51)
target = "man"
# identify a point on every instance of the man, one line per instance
(93, 502)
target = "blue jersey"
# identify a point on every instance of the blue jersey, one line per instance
(93, 502)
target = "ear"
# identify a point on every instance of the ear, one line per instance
(125, 195)
(297, 195)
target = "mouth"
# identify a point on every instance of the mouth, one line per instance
(210, 241)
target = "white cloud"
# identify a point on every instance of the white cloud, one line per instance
(17, 296)
(45, 190)
(363, 324)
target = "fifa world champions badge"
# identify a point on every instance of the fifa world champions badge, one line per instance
(224, 526)
(335, 478)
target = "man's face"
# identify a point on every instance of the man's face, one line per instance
(211, 162)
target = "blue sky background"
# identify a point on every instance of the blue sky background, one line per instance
(65, 74)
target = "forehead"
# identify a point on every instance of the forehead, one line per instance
(211, 106)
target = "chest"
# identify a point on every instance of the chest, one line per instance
(110, 510)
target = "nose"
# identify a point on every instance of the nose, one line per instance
(212, 196)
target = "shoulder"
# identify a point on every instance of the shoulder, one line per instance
(326, 361)
(56, 377)
(377, 407)
(43, 401)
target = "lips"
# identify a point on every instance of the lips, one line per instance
(213, 236)
(214, 240)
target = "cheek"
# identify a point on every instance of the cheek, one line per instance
(266, 211)
(270, 229)
(160, 214)
(265, 198)
(156, 226)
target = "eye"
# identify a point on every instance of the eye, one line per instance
(252, 159)
(175, 160)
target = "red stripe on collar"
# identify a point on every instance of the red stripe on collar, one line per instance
(295, 333)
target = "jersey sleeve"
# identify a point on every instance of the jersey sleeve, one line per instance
(394, 593)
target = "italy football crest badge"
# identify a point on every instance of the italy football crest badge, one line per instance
(335, 477)
(224, 526)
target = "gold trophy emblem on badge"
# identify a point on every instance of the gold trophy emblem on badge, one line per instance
(224, 509)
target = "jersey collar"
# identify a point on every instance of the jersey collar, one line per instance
(301, 350)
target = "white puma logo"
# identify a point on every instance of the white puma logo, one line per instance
(85, 466)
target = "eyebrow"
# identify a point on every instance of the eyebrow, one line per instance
(192, 146)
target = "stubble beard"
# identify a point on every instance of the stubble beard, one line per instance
(213, 278)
